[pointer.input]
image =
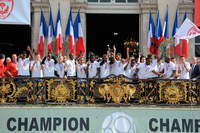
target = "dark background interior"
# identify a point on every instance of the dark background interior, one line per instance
(14, 38)
(101, 28)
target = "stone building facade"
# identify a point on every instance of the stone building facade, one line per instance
(140, 7)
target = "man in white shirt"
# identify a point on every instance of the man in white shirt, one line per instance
(93, 67)
(117, 68)
(184, 69)
(36, 68)
(59, 68)
(49, 65)
(24, 65)
(130, 69)
(105, 67)
(145, 70)
(70, 66)
(81, 68)
(169, 69)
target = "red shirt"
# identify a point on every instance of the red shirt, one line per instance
(2, 69)
(12, 68)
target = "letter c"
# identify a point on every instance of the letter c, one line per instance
(8, 124)
(153, 129)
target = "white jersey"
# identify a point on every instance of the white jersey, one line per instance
(23, 67)
(37, 70)
(159, 68)
(59, 68)
(81, 70)
(71, 68)
(168, 70)
(145, 71)
(105, 70)
(92, 69)
(49, 68)
(130, 71)
(184, 73)
(117, 68)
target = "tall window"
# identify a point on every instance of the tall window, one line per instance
(197, 46)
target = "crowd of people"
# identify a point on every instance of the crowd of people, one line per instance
(111, 63)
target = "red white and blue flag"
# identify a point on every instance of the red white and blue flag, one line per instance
(151, 35)
(159, 35)
(78, 33)
(177, 47)
(70, 33)
(43, 32)
(58, 34)
(50, 33)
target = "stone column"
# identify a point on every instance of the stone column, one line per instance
(146, 7)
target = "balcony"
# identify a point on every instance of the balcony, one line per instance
(111, 90)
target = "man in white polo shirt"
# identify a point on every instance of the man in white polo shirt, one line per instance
(184, 69)
(169, 69)
(70, 66)
(36, 68)
(145, 70)
(49, 65)
(59, 68)
(24, 64)
(93, 67)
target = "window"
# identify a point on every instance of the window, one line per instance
(92, 0)
(197, 46)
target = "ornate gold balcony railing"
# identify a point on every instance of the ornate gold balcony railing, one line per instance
(109, 90)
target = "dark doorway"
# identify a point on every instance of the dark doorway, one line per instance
(110, 29)
(14, 39)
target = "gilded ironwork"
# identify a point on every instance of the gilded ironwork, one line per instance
(172, 92)
(109, 90)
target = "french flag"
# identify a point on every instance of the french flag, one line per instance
(185, 41)
(78, 33)
(70, 33)
(159, 36)
(50, 33)
(43, 32)
(58, 34)
(177, 44)
(151, 35)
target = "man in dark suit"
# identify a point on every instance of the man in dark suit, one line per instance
(195, 69)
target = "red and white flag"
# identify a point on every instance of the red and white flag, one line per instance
(78, 32)
(42, 34)
(58, 32)
(188, 30)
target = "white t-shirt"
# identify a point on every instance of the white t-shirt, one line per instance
(145, 71)
(23, 67)
(81, 70)
(49, 68)
(92, 69)
(117, 68)
(154, 62)
(184, 73)
(60, 69)
(168, 70)
(71, 68)
(158, 68)
(105, 70)
(130, 71)
(37, 70)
